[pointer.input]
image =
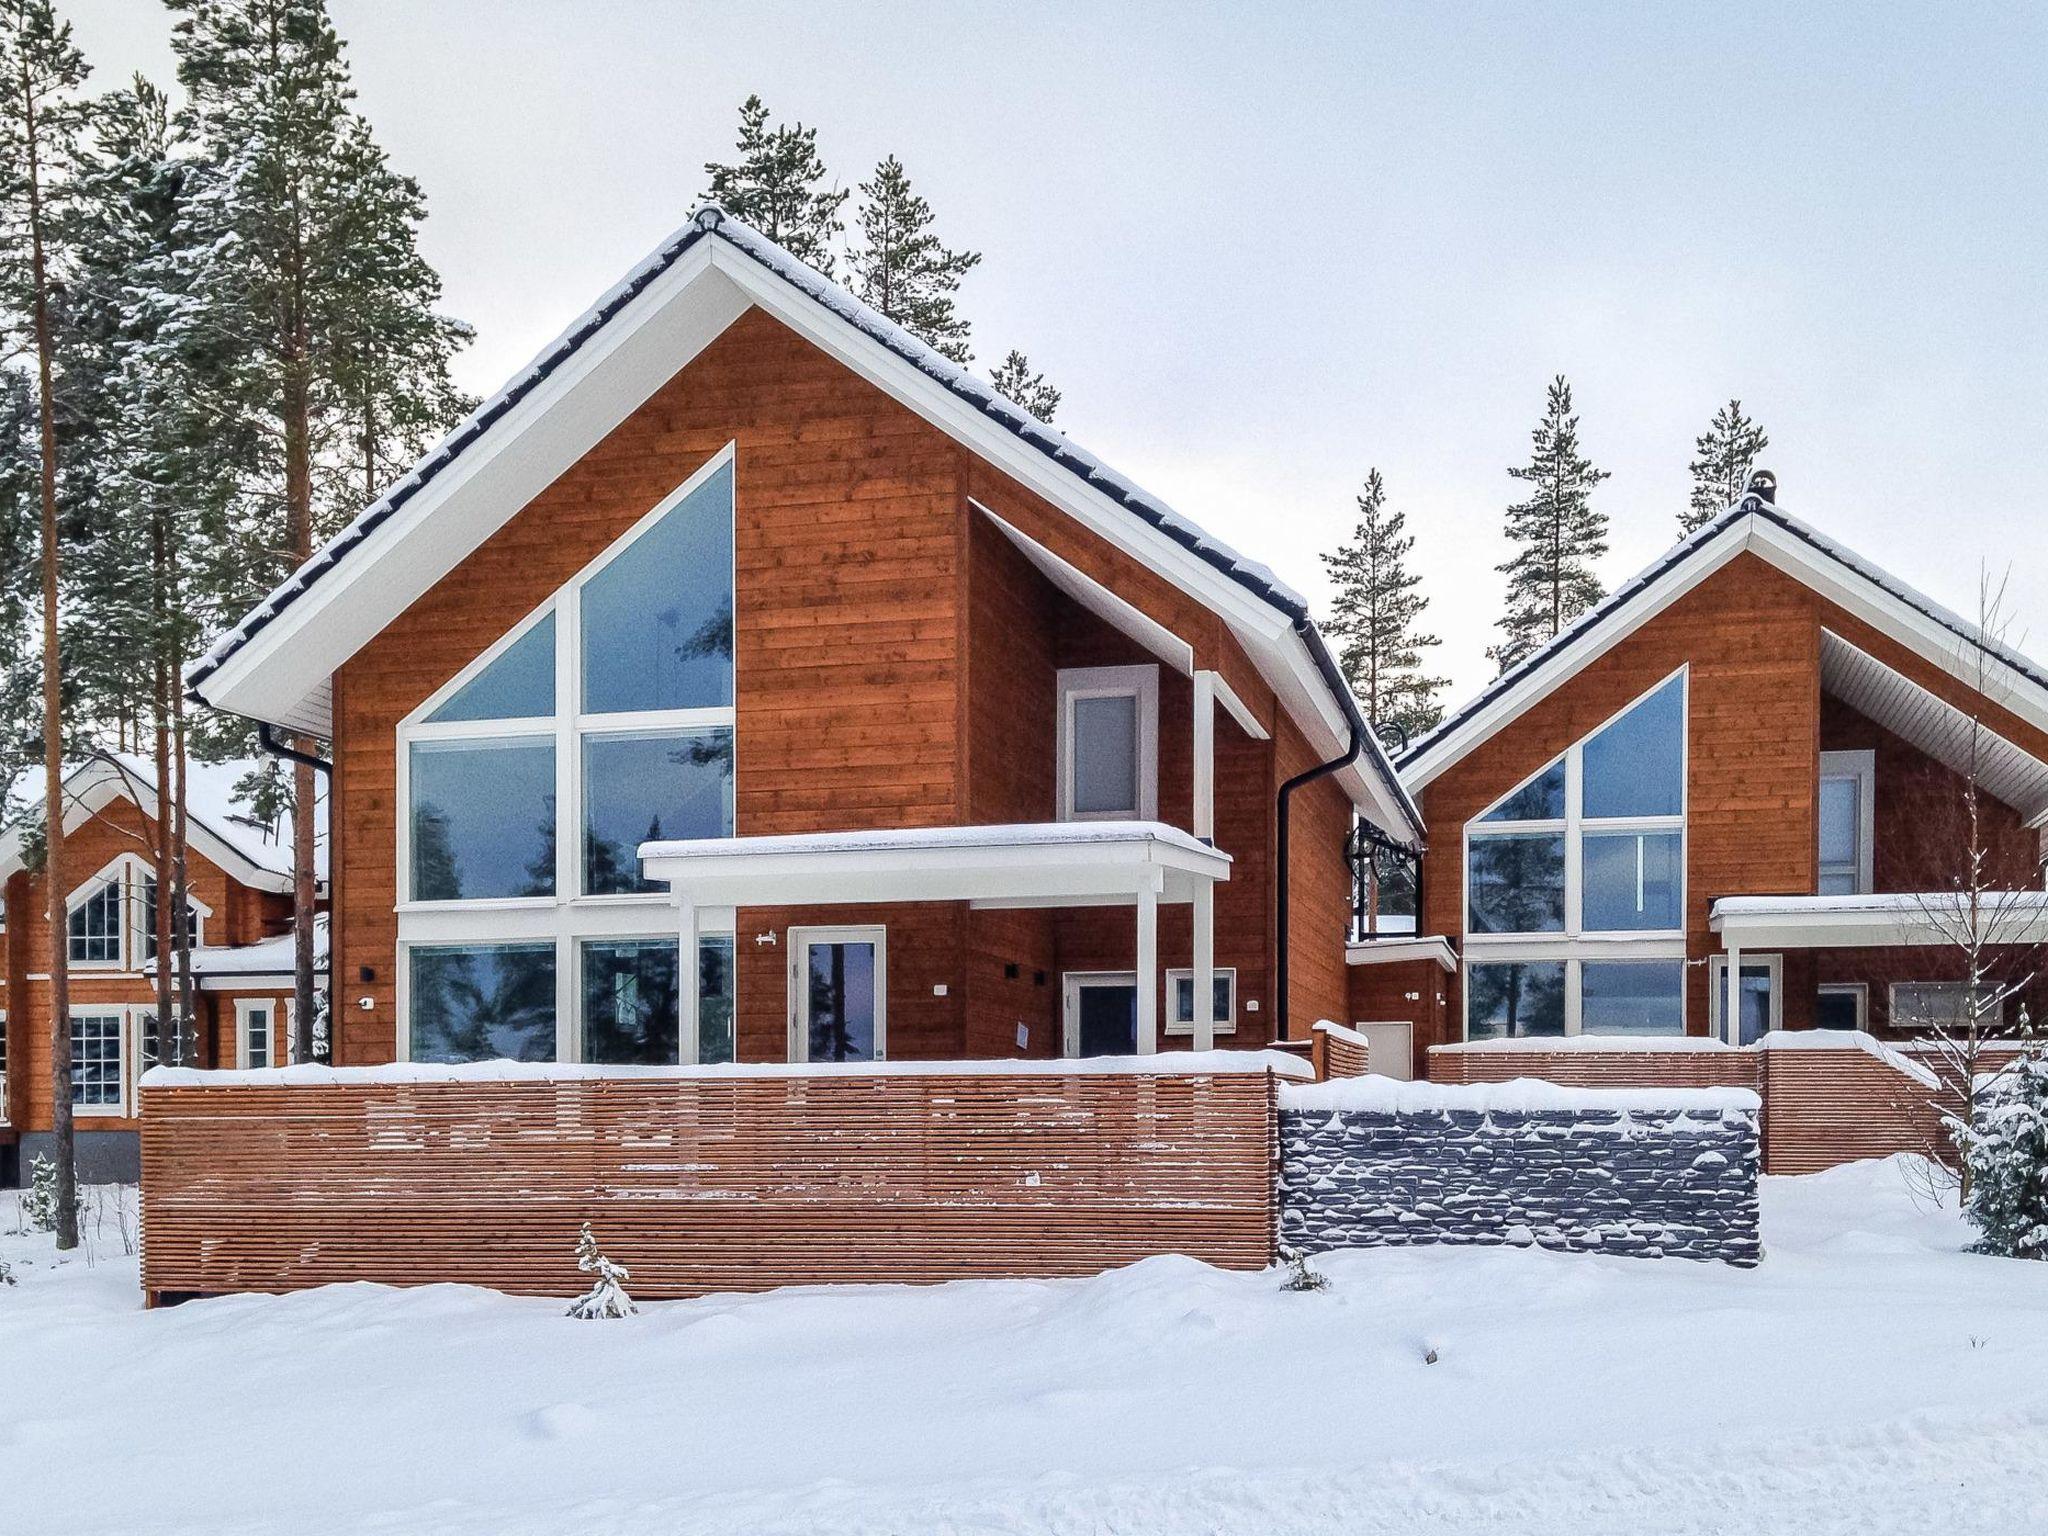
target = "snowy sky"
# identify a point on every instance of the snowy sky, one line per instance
(1263, 249)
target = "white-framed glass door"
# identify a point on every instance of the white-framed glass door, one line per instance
(1100, 1012)
(839, 994)
(1762, 991)
(255, 1032)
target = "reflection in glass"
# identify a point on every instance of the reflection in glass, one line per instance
(645, 787)
(1515, 883)
(519, 685)
(1633, 881)
(1636, 766)
(1511, 999)
(1541, 799)
(483, 818)
(483, 1002)
(1632, 997)
(842, 1000)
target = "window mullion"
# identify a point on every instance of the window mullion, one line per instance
(568, 744)
(1574, 864)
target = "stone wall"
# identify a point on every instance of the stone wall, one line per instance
(1663, 1173)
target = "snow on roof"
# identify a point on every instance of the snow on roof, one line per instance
(1629, 592)
(1884, 903)
(210, 802)
(266, 957)
(903, 839)
(1589, 1045)
(711, 221)
(1523, 1095)
(1164, 1064)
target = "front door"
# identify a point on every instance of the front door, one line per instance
(1760, 1006)
(1102, 1014)
(838, 987)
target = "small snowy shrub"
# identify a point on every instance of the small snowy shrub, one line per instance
(607, 1295)
(1299, 1276)
(39, 1204)
(2007, 1154)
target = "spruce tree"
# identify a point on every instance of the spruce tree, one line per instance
(1376, 612)
(309, 302)
(778, 185)
(1556, 532)
(41, 72)
(901, 269)
(1015, 381)
(2005, 1154)
(1727, 451)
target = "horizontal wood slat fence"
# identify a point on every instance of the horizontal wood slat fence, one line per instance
(1623, 1067)
(702, 1183)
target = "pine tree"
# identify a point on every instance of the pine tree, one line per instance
(1375, 613)
(1728, 451)
(2006, 1153)
(1557, 533)
(41, 72)
(778, 185)
(901, 269)
(1014, 381)
(308, 299)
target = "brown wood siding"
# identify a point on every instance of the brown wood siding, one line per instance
(701, 1183)
(1624, 1068)
(1411, 991)
(1319, 896)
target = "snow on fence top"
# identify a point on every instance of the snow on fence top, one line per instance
(1339, 1032)
(1589, 1044)
(1847, 1040)
(1523, 1095)
(1165, 1064)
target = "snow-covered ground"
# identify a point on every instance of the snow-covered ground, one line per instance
(1868, 1377)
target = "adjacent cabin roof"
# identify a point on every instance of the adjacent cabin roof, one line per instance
(277, 664)
(1756, 526)
(266, 964)
(222, 828)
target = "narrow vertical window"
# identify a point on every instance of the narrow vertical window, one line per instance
(1107, 737)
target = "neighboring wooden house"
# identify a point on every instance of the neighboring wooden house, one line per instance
(1751, 756)
(239, 877)
(919, 714)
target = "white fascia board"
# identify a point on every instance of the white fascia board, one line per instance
(1883, 922)
(1393, 951)
(1568, 660)
(1891, 615)
(493, 479)
(1121, 615)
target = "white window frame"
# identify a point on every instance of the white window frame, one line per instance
(1895, 988)
(1860, 990)
(1226, 1022)
(1140, 683)
(129, 1046)
(1718, 1025)
(568, 917)
(145, 935)
(127, 899)
(800, 941)
(277, 1013)
(1860, 767)
(1072, 984)
(1575, 944)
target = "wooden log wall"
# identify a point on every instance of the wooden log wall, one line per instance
(1623, 1067)
(704, 1182)
(1340, 1052)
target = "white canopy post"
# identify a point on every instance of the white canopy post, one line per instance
(687, 969)
(1205, 756)
(1204, 908)
(1148, 966)
(1731, 995)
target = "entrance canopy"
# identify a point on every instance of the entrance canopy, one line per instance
(1872, 922)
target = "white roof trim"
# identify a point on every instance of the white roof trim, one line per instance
(1392, 951)
(1834, 573)
(1097, 599)
(1881, 921)
(1040, 861)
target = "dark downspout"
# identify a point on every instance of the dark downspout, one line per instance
(267, 739)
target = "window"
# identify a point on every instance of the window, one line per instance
(482, 1002)
(1107, 738)
(603, 720)
(1180, 993)
(1842, 1005)
(1943, 1005)
(95, 937)
(1848, 782)
(97, 1078)
(193, 916)
(1575, 885)
(255, 1033)
(630, 1006)
(840, 980)
(1760, 1006)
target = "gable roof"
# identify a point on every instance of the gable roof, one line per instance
(219, 828)
(633, 340)
(1760, 527)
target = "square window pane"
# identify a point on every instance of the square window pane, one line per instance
(1184, 999)
(657, 621)
(1636, 766)
(1105, 749)
(1632, 997)
(1515, 884)
(645, 787)
(1837, 1008)
(483, 1002)
(1511, 999)
(630, 1012)
(1633, 881)
(519, 685)
(483, 818)
(1541, 799)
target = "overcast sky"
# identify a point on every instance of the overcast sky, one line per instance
(1263, 249)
